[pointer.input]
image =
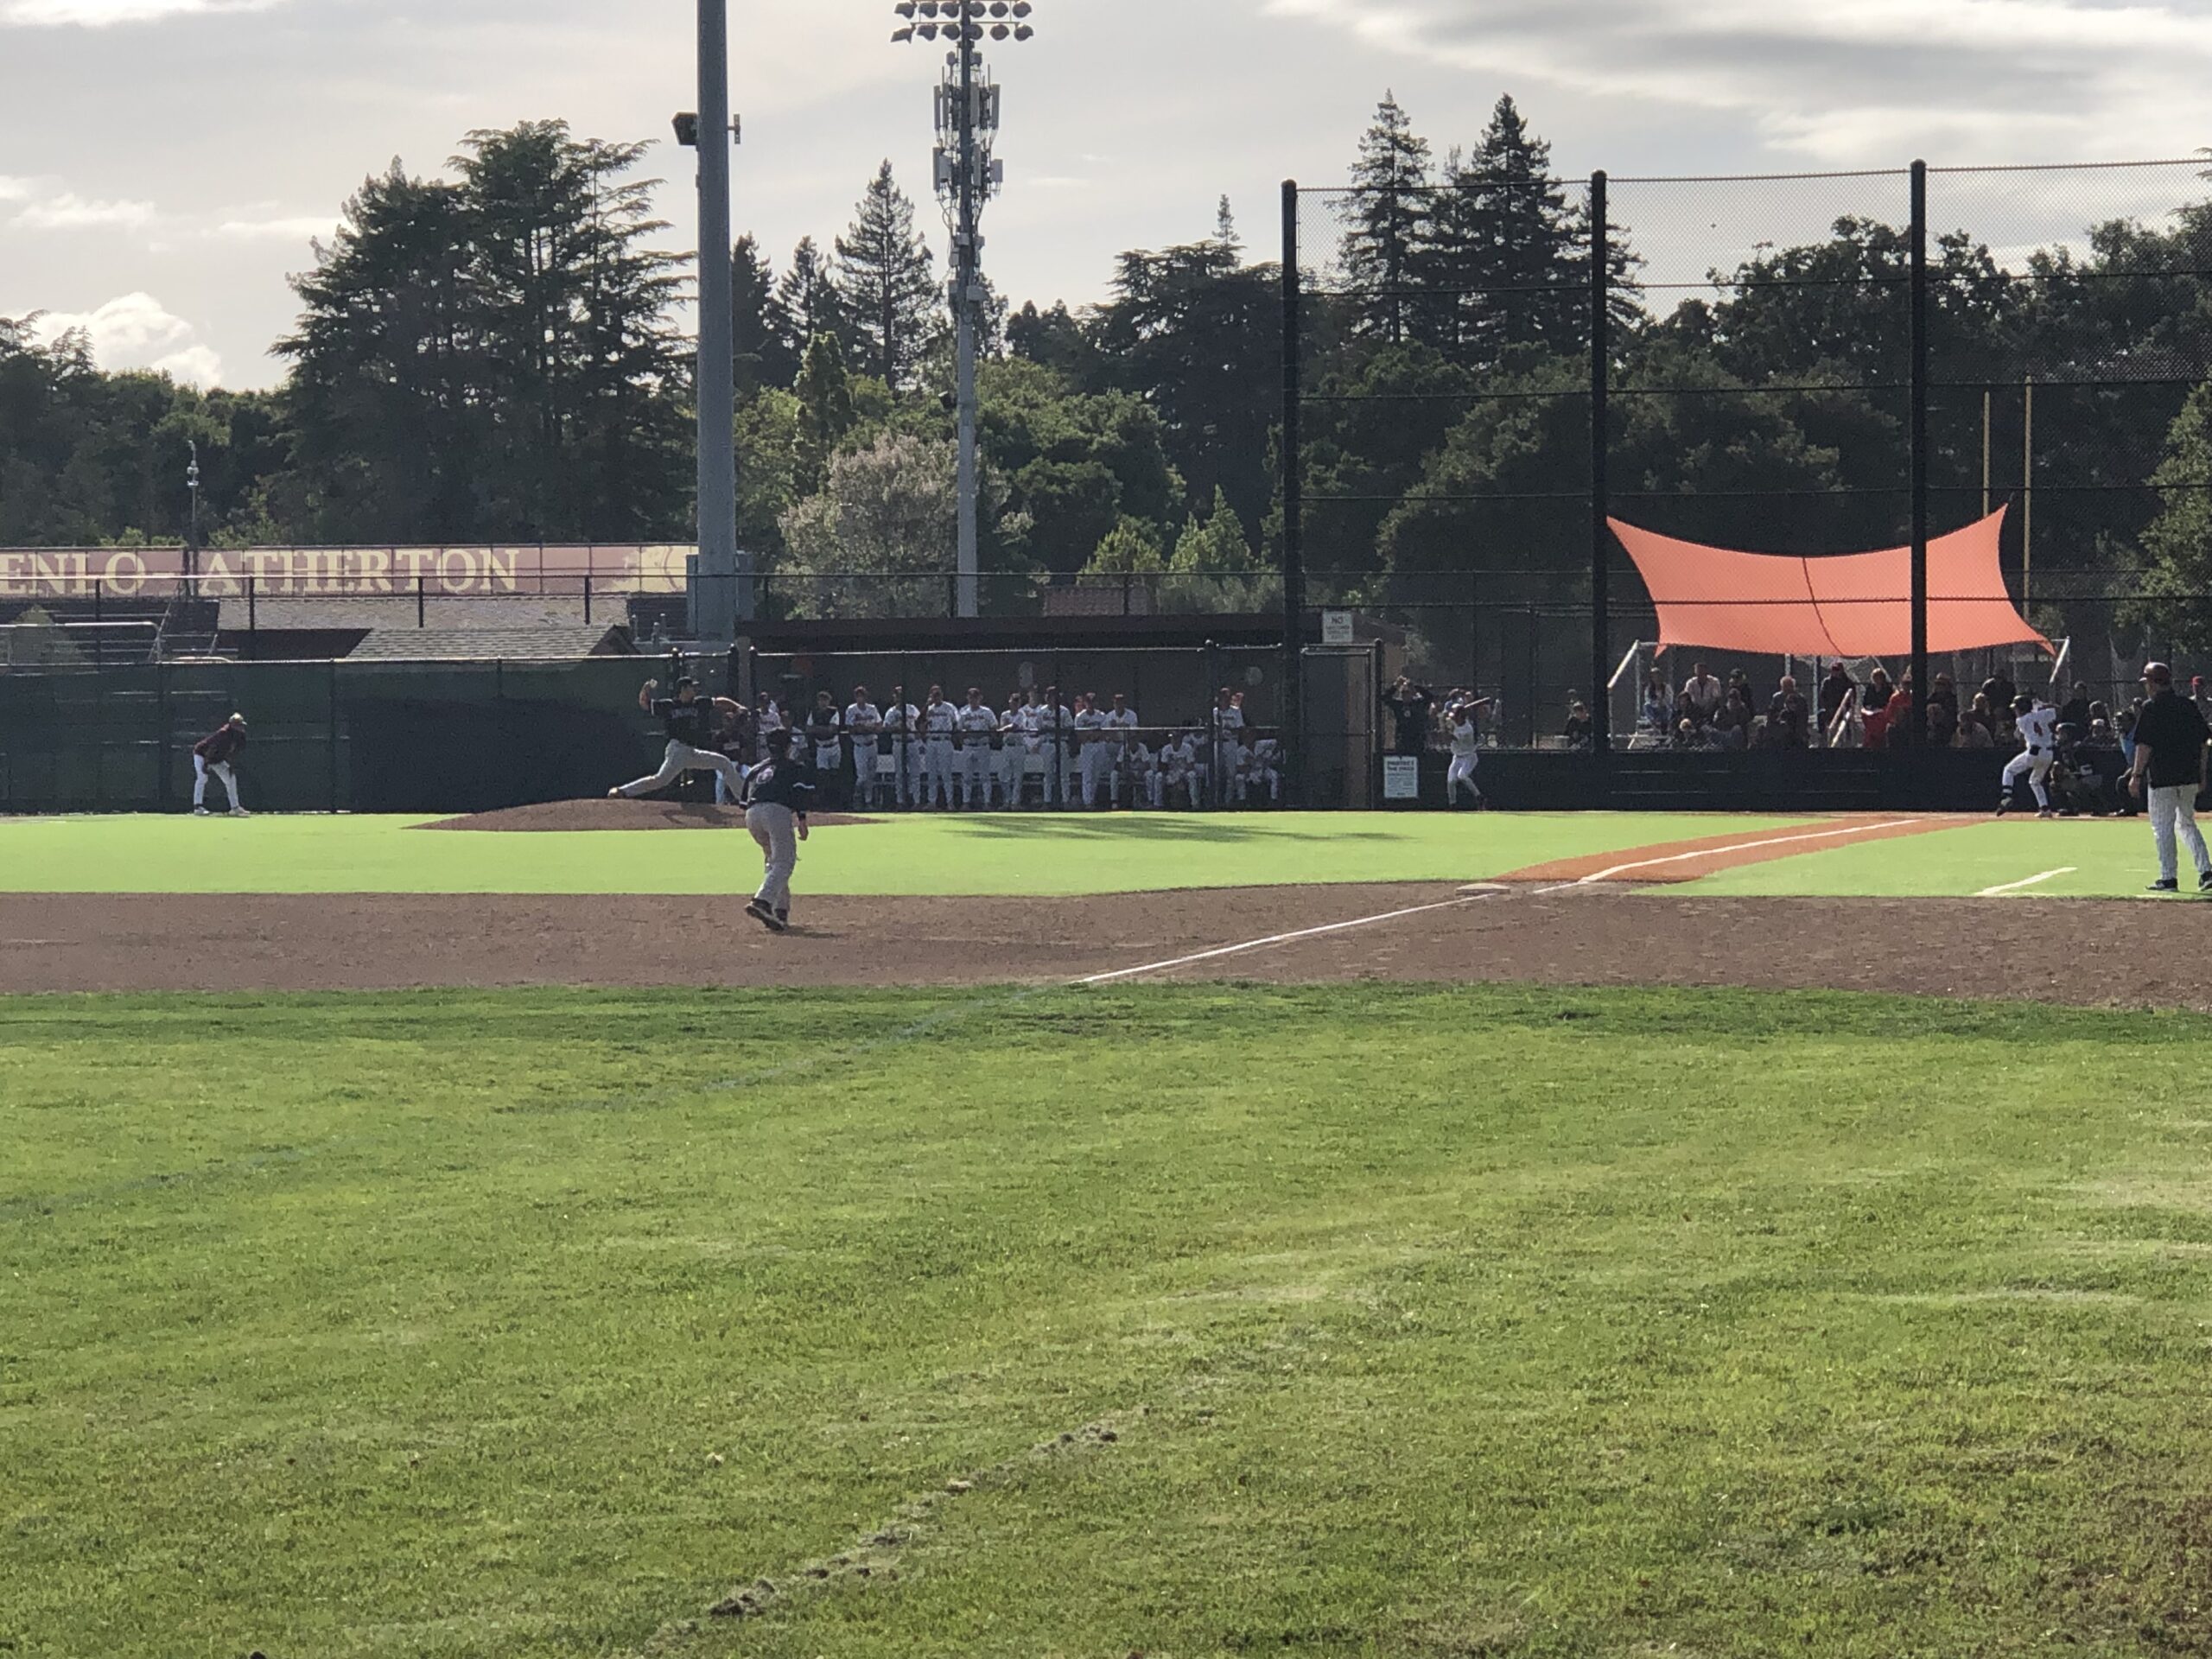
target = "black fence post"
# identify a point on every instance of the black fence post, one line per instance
(1294, 507)
(333, 737)
(1601, 355)
(1919, 451)
(252, 617)
(422, 602)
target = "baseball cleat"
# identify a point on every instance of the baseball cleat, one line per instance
(760, 913)
(240, 812)
(201, 812)
(2046, 813)
(2163, 886)
(2004, 807)
(2204, 882)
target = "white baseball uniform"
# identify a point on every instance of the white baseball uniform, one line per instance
(1467, 756)
(1121, 734)
(902, 726)
(1093, 756)
(976, 726)
(864, 722)
(940, 722)
(1265, 768)
(2039, 731)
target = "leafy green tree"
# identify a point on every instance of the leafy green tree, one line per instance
(393, 427)
(1195, 332)
(579, 351)
(1054, 340)
(1214, 570)
(886, 284)
(826, 412)
(1383, 250)
(2178, 605)
(1127, 557)
(878, 539)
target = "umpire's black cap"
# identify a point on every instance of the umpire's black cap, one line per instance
(778, 740)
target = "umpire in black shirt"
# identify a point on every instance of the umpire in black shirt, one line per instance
(2171, 769)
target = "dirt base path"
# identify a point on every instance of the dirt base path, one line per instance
(2043, 950)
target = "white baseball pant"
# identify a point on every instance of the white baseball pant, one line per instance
(1462, 773)
(221, 769)
(2036, 768)
(976, 775)
(937, 766)
(2173, 820)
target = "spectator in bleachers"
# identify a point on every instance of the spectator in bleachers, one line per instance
(1974, 731)
(2000, 691)
(1655, 715)
(1878, 692)
(1944, 694)
(2075, 710)
(1705, 695)
(1581, 732)
(1789, 714)
(1734, 725)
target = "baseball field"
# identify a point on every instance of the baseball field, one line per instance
(1405, 1236)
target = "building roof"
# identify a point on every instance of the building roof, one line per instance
(490, 645)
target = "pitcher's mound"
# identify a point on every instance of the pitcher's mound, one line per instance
(617, 814)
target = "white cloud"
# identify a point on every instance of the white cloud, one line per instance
(71, 212)
(136, 330)
(100, 14)
(1848, 82)
(14, 189)
(278, 230)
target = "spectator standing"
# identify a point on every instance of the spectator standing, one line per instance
(1655, 715)
(1580, 733)
(2172, 768)
(2001, 690)
(1411, 707)
(1837, 690)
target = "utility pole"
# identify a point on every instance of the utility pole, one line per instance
(713, 594)
(968, 176)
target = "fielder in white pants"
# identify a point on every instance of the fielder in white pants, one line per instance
(223, 774)
(2173, 821)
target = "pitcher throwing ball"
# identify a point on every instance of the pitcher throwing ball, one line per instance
(689, 721)
(777, 793)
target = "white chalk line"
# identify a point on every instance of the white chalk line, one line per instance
(2022, 886)
(1460, 903)
(1743, 847)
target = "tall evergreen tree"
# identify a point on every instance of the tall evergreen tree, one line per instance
(1506, 252)
(386, 365)
(581, 352)
(807, 306)
(887, 282)
(1383, 245)
(762, 337)
(825, 412)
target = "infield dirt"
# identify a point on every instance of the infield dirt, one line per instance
(2086, 953)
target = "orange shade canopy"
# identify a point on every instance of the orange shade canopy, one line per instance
(1840, 605)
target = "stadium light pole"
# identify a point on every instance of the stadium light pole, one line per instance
(714, 594)
(967, 175)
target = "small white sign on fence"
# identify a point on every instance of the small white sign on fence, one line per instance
(1402, 777)
(1336, 628)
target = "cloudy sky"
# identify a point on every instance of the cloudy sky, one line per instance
(165, 163)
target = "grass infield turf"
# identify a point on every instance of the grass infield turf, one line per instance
(1427, 1322)
(926, 856)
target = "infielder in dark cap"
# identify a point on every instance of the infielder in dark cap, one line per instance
(777, 793)
(2171, 766)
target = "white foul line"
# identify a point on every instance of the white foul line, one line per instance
(1743, 847)
(1281, 938)
(2015, 886)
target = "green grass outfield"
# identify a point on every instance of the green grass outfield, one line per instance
(1043, 855)
(922, 855)
(1427, 1323)
(2085, 858)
